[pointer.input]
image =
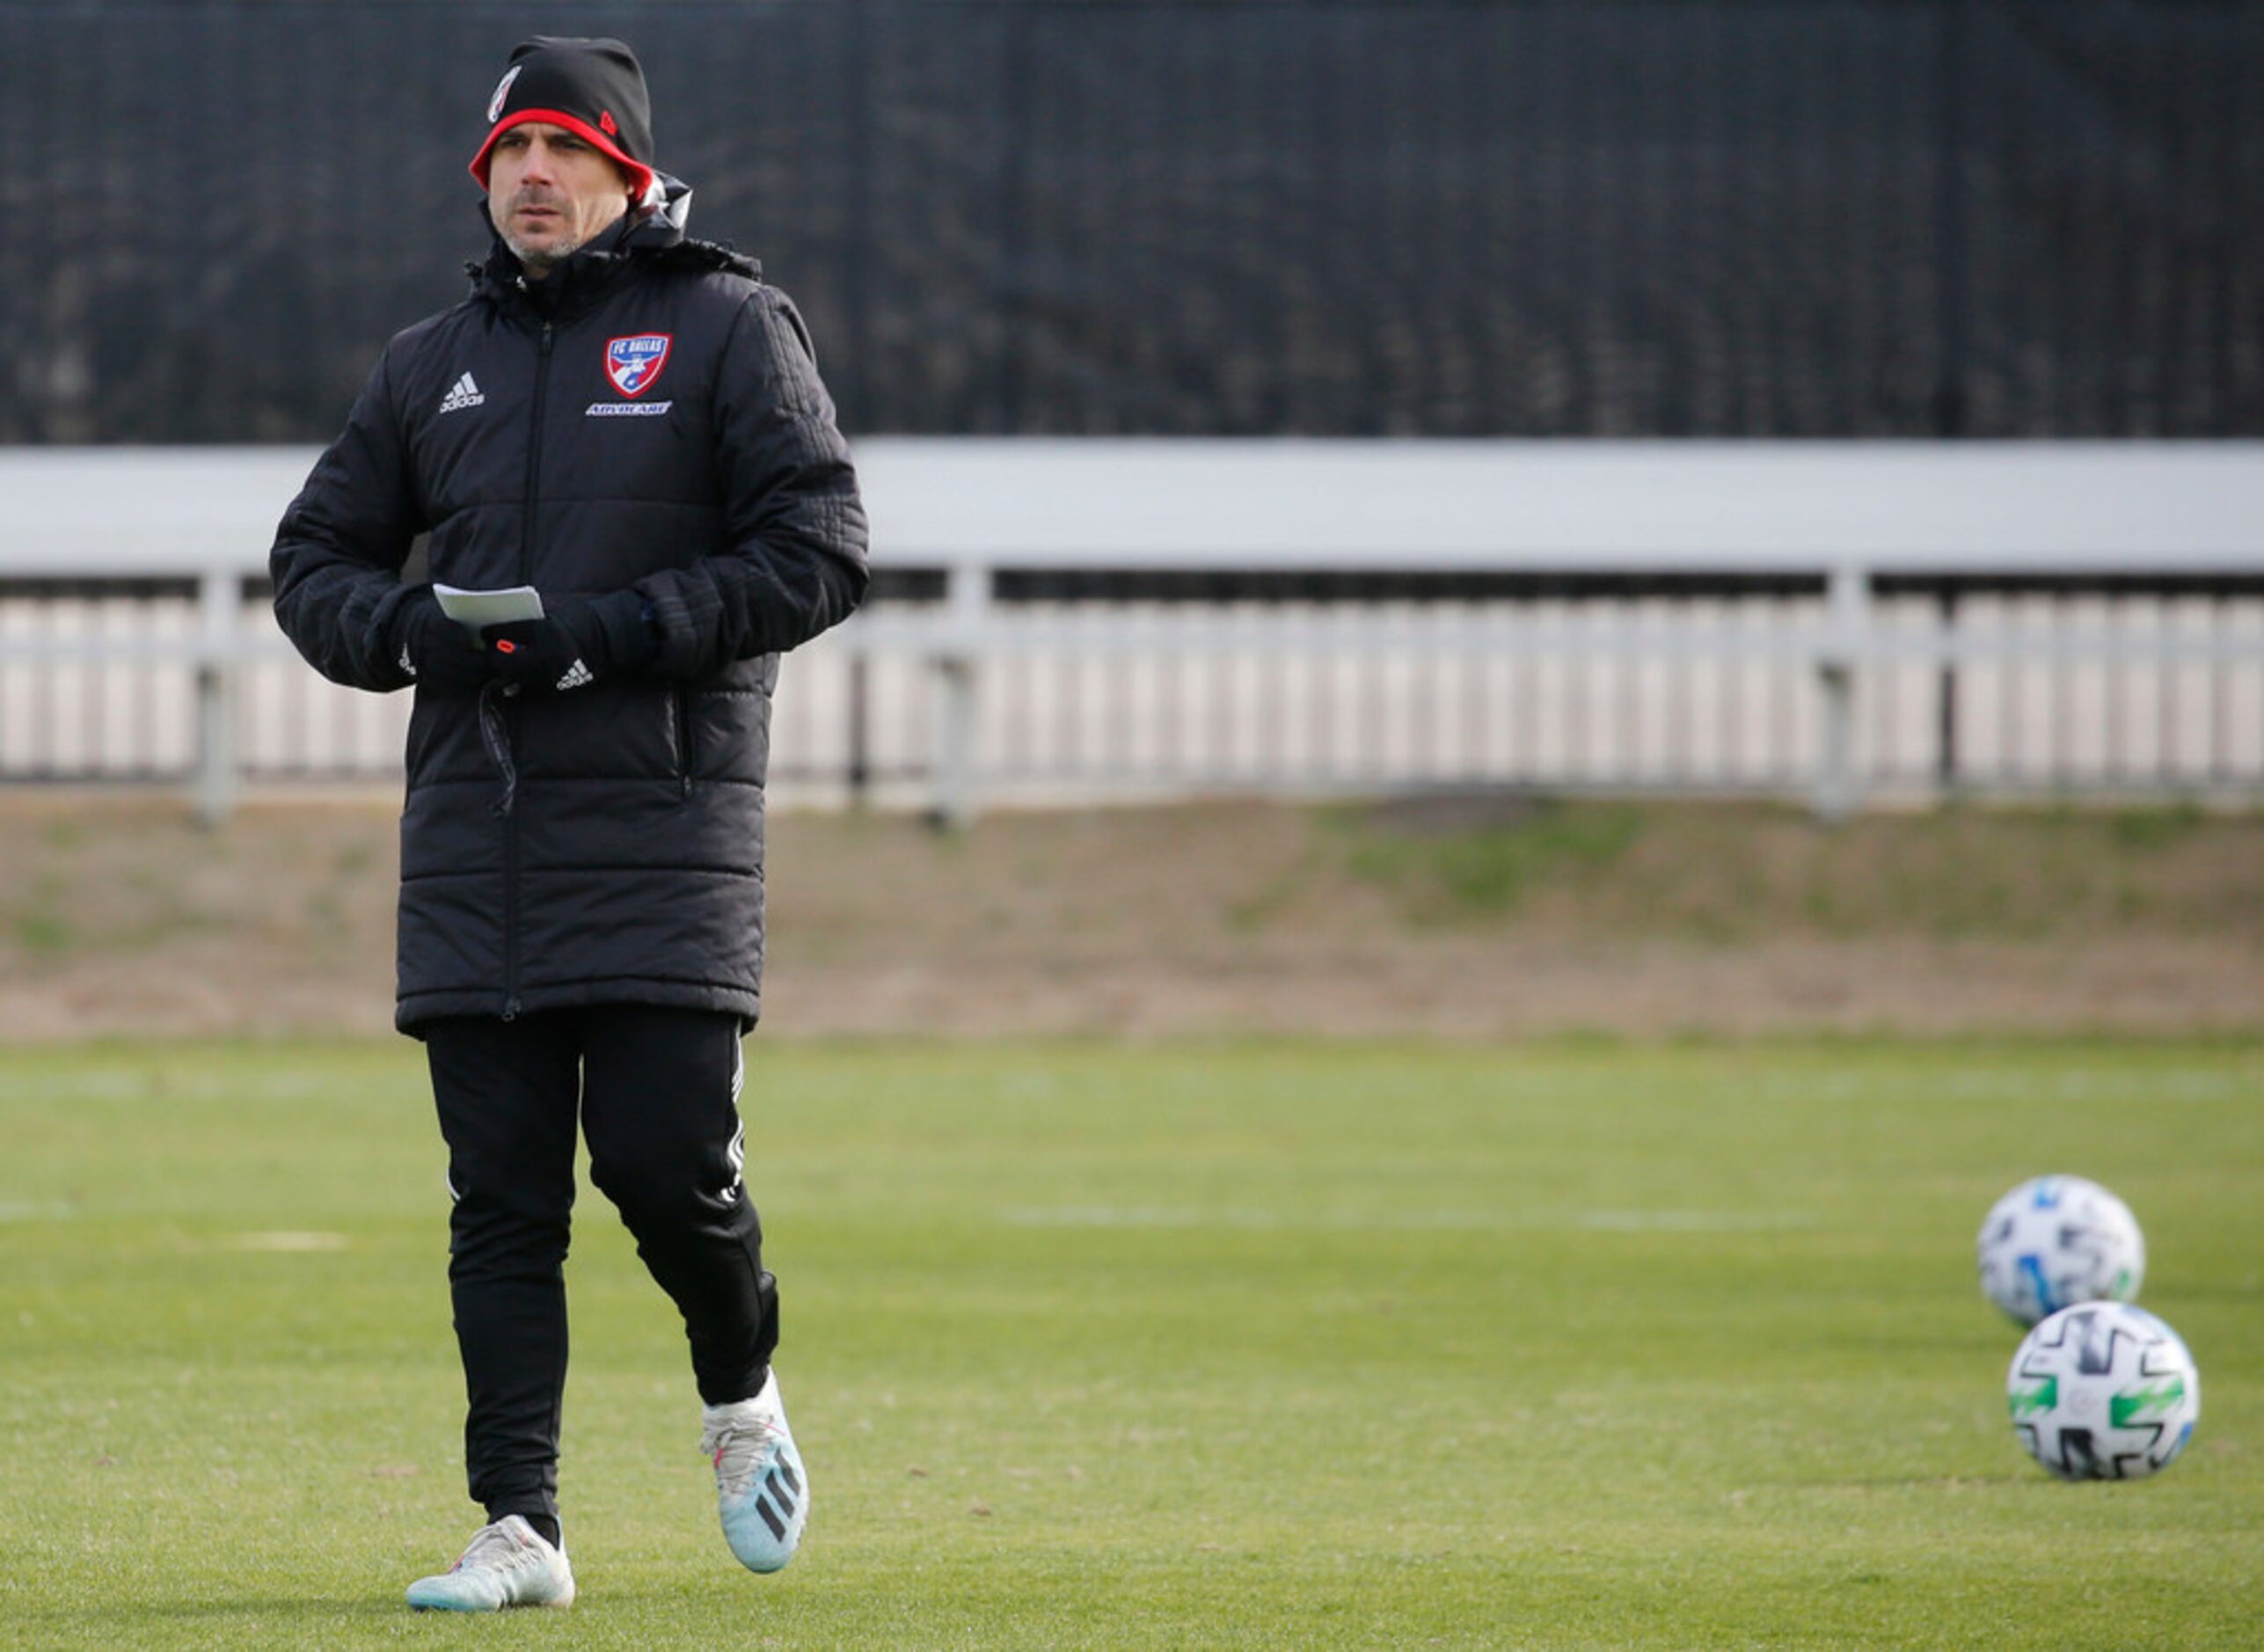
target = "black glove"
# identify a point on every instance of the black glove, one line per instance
(433, 648)
(577, 640)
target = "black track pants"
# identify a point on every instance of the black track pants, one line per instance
(656, 1093)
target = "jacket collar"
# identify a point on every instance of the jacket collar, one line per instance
(580, 280)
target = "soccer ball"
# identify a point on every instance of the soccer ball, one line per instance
(2103, 1391)
(2059, 1240)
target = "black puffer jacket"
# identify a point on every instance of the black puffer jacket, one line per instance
(603, 844)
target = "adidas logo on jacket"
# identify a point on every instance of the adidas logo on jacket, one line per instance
(463, 393)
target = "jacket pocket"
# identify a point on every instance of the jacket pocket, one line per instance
(680, 711)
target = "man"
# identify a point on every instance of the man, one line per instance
(631, 422)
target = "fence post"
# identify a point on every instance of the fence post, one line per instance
(1846, 634)
(1945, 774)
(967, 605)
(860, 728)
(220, 601)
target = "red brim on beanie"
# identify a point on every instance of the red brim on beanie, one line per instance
(640, 175)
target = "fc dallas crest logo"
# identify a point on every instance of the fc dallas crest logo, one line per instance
(634, 364)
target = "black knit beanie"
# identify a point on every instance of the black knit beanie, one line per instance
(592, 88)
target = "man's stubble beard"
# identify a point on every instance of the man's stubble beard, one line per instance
(541, 258)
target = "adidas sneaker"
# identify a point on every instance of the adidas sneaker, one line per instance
(760, 1488)
(506, 1564)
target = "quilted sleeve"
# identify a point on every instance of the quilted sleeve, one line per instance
(337, 557)
(797, 563)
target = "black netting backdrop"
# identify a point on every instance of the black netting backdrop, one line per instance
(1689, 217)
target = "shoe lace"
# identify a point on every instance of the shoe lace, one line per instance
(736, 1448)
(496, 1550)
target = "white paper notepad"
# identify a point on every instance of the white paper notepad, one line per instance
(474, 610)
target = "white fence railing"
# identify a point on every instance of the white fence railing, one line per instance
(1080, 617)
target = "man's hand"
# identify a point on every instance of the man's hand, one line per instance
(436, 650)
(576, 641)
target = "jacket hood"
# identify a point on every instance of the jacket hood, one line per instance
(668, 201)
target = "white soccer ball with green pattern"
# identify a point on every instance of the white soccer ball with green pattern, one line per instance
(2103, 1391)
(2056, 1241)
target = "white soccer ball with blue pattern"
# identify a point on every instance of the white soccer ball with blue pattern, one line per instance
(2103, 1391)
(2056, 1241)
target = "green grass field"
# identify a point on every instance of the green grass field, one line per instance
(1273, 1345)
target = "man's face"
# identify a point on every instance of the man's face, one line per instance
(549, 193)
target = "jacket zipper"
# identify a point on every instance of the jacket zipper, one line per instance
(511, 712)
(534, 457)
(681, 703)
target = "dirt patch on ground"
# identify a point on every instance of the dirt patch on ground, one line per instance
(1458, 917)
